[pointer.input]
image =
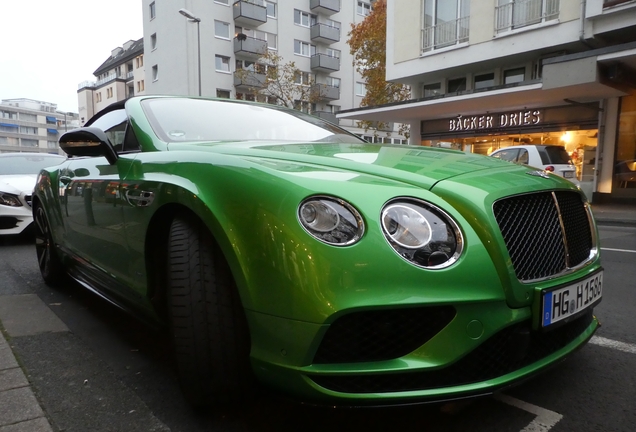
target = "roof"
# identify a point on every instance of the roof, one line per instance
(123, 56)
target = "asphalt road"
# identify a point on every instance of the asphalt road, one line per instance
(93, 368)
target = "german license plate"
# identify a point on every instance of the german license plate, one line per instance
(568, 174)
(560, 303)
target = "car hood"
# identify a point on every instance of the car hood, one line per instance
(17, 184)
(420, 166)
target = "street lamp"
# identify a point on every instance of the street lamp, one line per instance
(191, 18)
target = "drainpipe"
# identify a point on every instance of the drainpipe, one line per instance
(582, 25)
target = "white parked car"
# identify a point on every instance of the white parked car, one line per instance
(18, 173)
(552, 158)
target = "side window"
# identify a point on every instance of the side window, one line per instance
(115, 126)
(523, 157)
(508, 155)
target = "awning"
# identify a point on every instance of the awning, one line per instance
(52, 131)
(51, 119)
(9, 125)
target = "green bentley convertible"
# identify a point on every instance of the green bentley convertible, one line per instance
(279, 248)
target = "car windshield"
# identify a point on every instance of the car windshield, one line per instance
(188, 120)
(27, 163)
(557, 155)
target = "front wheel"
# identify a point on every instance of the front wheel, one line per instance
(208, 324)
(49, 262)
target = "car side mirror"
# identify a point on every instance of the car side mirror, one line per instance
(88, 141)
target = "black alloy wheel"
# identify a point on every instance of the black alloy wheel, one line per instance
(49, 262)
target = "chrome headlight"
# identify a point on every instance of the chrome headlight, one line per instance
(331, 220)
(421, 233)
(9, 200)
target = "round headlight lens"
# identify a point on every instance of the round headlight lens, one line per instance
(421, 233)
(331, 220)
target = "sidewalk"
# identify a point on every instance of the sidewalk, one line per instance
(19, 408)
(615, 214)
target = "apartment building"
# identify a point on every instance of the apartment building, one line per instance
(488, 74)
(121, 76)
(202, 53)
(27, 125)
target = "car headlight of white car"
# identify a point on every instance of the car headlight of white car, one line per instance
(9, 200)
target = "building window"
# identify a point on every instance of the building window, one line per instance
(484, 81)
(332, 23)
(333, 82)
(364, 8)
(431, 90)
(445, 23)
(139, 61)
(304, 106)
(28, 142)
(28, 117)
(225, 2)
(8, 115)
(155, 73)
(332, 52)
(222, 93)
(28, 130)
(304, 49)
(153, 41)
(304, 19)
(51, 144)
(141, 85)
(303, 78)
(271, 9)
(109, 92)
(513, 14)
(333, 109)
(152, 10)
(456, 85)
(221, 29)
(512, 76)
(98, 97)
(361, 89)
(222, 63)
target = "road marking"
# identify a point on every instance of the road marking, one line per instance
(621, 346)
(619, 250)
(545, 418)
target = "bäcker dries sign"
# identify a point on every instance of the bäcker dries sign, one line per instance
(492, 121)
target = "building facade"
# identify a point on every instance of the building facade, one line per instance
(121, 76)
(491, 74)
(186, 56)
(28, 125)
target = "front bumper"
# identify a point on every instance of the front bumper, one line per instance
(14, 220)
(485, 347)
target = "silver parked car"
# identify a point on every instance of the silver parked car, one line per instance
(552, 158)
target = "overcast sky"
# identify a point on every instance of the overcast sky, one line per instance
(49, 47)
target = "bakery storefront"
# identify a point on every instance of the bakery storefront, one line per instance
(575, 127)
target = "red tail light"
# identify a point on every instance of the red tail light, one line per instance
(549, 168)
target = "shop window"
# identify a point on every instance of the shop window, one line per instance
(512, 76)
(625, 166)
(484, 81)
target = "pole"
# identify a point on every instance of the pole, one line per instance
(199, 54)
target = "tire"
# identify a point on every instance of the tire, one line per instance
(208, 325)
(49, 262)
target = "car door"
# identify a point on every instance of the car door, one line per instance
(93, 214)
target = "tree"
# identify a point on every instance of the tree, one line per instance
(367, 44)
(281, 83)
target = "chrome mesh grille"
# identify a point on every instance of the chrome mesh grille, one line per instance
(538, 246)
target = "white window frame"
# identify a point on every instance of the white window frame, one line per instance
(274, 7)
(153, 41)
(361, 88)
(155, 73)
(444, 33)
(363, 8)
(224, 25)
(224, 61)
(153, 11)
(306, 19)
(304, 46)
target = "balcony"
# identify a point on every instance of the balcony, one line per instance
(445, 34)
(326, 92)
(325, 33)
(249, 13)
(521, 13)
(325, 63)
(246, 46)
(326, 115)
(248, 80)
(326, 7)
